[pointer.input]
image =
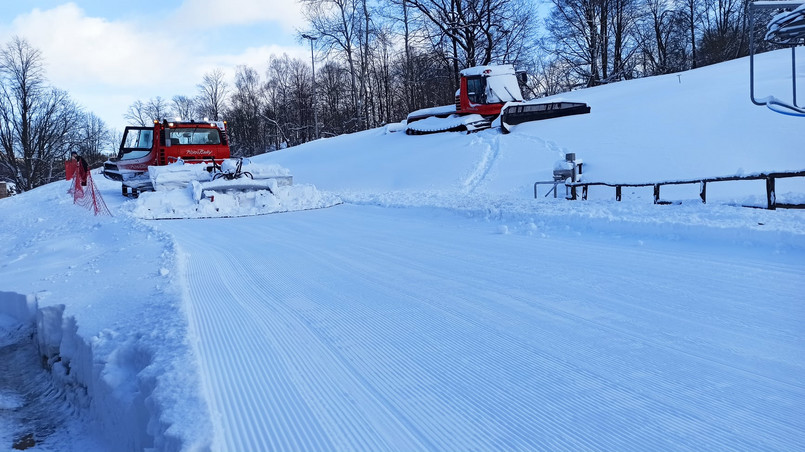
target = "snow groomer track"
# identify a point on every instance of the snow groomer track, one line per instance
(365, 344)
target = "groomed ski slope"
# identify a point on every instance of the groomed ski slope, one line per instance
(473, 318)
(440, 307)
(334, 330)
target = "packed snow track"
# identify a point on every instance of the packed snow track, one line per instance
(350, 335)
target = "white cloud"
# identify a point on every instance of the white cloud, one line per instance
(256, 57)
(79, 48)
(214, 13)
(106, 64)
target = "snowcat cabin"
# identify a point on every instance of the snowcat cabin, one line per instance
(484, 89)
(476, 89)
(195, 142)
(136, 148)
(164, 143)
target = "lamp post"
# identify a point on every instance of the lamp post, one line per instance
(313, 66)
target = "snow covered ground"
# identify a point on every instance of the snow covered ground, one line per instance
(441, 306)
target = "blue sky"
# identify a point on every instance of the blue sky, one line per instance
(108, 54)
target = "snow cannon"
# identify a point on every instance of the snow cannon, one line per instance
(569, 169)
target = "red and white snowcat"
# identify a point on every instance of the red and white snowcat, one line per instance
(161, 144)
(484, 93)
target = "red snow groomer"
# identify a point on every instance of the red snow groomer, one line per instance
(484, 94)
(164, 143)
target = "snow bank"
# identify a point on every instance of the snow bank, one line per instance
(116, 404)
(107, 310)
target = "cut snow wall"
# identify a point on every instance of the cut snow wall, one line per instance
(109, 387)
(19, 307)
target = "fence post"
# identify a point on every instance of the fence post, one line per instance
(703, 191)
(584, 192)
(771, 196)
(656, 193)
(617, 193)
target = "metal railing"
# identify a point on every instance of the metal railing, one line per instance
(555, 183)
(571, 189)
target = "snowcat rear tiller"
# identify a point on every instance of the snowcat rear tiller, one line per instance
(520, 113)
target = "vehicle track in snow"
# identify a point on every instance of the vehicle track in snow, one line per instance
(360, 328)
(490, 155)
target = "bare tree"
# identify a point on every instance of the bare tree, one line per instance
(248, 129)
(94, 141)
(573, 26)
(37, 122)
(692, 12)
(724, 31)
(408, 70)
(333, 82)
(479, 31)
(338, 24)
(213, 92)
(137, 114)
(663, 38)
(183, 107)
(381, 83)
(595, 39)
(625, 16)
(145, 113)
(366, 42)
(288, 103)
(157, 108)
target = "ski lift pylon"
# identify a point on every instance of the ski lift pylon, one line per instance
(786, 28)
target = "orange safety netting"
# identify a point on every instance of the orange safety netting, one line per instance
(84, 191)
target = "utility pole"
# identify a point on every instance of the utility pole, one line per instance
(313, 65)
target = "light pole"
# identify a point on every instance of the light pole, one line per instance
(313, 65)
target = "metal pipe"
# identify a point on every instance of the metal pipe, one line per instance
(313, 104)
(794, 72)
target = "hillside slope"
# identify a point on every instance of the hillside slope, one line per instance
(699, 123)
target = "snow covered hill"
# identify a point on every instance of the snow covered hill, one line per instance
(698, 123)
(441, 307)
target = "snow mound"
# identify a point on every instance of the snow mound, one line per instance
(176, 175)
(179, 174)
(190, 191)
(229, 202)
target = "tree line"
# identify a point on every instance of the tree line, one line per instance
(601, 41)
(376, 61)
